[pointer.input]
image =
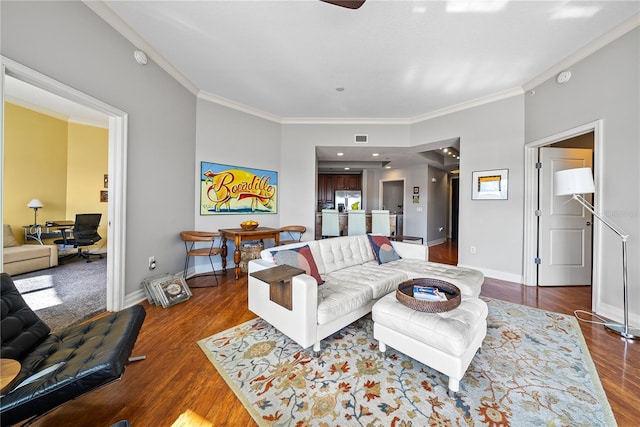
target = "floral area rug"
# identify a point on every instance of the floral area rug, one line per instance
(534, 370)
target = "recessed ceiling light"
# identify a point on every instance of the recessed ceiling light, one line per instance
(340, 154)
(446, 150)
(387, 167)
(375, 154)
(347, 169)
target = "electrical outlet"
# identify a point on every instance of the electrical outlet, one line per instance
(473, 249)
(152, 263)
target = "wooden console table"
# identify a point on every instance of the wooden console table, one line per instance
(239, 235)
(279, 280)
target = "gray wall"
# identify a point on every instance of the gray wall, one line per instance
(69, 43)
(491, 137)
(234, 138)
(604, 86)
(438, 207)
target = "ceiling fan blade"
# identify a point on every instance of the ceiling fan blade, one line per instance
(349, 4)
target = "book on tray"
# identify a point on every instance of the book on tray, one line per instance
(428, 293)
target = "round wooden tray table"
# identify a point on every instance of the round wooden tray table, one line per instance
(404, 294)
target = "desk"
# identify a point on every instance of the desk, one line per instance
(239, 235)
(9, 370)
(51, 230)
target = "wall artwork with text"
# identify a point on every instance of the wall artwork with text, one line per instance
(228, 189)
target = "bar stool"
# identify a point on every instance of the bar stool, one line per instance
(330, 223)
(356, 223)
(380, 222)
(191, 238)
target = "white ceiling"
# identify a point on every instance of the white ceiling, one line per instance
(394, 59)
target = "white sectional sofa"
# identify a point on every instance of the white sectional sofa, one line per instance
(353, 283)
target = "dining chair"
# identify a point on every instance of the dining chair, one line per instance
(291, 234)
(200, 243)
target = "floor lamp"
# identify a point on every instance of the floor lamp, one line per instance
(576, 182)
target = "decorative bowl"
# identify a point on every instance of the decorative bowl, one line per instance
(249, 225)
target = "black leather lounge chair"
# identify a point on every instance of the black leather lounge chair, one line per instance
(59, 366)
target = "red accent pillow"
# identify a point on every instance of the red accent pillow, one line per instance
(300, 257)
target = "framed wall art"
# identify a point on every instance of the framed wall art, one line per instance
(490, 185)
(228, 189)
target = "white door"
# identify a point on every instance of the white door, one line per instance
(564, 230)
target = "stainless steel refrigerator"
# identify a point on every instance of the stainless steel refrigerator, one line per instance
(347, 200)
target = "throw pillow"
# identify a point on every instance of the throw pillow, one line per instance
(382, 248)
(9, 239)
(301, 258)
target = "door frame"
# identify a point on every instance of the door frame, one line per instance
(118, 121)
(531, 196)
(381, 191)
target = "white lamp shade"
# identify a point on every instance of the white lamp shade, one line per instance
(35, 204)
(573, 181)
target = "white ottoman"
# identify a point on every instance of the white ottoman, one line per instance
(447, 342)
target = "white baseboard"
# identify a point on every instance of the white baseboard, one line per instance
(496, 274)
(436, 242)
(616, 313)
(134, 298)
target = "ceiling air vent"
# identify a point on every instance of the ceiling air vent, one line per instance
(361, 139)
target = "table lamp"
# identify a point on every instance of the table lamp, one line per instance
(35, 204)
(576, 182)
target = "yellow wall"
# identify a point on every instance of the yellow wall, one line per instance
(88, 163)
(62, 164)
(35, 167)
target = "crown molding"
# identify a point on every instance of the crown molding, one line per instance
(584, 52)
(345, 121)
(206, 96)
(110, 17)
(107, 14)
(469, 104)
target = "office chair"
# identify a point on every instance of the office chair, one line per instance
(85, 233)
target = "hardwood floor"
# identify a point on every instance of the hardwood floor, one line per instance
(176, 376)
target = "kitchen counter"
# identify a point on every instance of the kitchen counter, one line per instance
(396, 221)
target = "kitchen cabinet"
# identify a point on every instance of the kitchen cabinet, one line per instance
(326, 192)
(328, 184)
(347, 182)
